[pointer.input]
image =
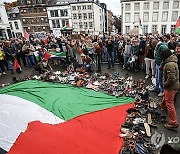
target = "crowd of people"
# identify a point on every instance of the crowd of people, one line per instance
(157, 55)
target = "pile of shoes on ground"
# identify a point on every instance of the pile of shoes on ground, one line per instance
(112, 84)
(136, 131)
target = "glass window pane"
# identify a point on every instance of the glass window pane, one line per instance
(166, 5)
(155, 16)
(127, 17)
(127, 7)
(146, 16)
(164, 16)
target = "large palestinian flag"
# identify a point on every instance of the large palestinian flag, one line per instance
(42, 117)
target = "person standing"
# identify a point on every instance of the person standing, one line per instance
(127, 53)
(2, 55)
(28, 50)
(111, 56)
(149, 57)
(98, 48)
(159, 73)
(142, 47)
(171, 86)
(10, 56)
(19, 54)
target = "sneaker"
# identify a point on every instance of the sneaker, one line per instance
(160, 94)
(0, 74)
(153, 77)
(4, 73)
(147, 76)
(153, 90)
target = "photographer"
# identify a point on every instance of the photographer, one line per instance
(28, 49)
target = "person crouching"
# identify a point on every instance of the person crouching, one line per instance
(87, 62)
(43, 66)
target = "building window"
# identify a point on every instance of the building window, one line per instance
(10, 25)
(65, 22)
(166, 5)
(85, 25)
(164, 16)
(136, 6)
(80, 25)
(136, 27)
(156, 5)
(64, 13)
(54, 13)
(127, 17)
(176, 5)
(89, 7)
(90, 25)
(56, 23)
(146, 5)
(90, 15)
(37, 20)
(146, 16)
(85, 16)
(74, 24)
(155, 16)
(78, 7)
(79, 16)
(84, 7)
(145, 29)
(163, 29)
(74, 16)
(172, 28)
(127, 28)
(127, 7)
(16, 25)
(136, 17)
(154, 28)
(73, 7)
(174, 15)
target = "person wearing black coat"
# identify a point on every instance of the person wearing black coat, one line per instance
(110, 50)
(10, 54)
(19, 54)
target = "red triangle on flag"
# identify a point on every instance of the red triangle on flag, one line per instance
(93, 133)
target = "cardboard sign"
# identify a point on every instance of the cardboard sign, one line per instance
(75, 36)
(40, 35)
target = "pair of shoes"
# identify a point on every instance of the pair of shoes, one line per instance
(4, 73)
(147, 76)
(160, 94)
(170, 126)
(154, 90)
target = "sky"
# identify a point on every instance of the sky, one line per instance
(113, 5)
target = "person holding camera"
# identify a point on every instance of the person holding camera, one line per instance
(29, 50)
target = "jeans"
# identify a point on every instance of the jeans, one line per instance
(31, 60)
(2, 66)
(10, 65)
(159, 79)
(21, 56)
(126, 58)
(168, 101)
(150, 62)
(111, 57)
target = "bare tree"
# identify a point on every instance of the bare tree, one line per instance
(117, 23)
